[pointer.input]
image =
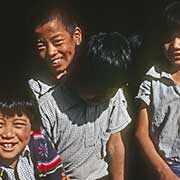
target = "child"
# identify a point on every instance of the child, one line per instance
(105, 67)
(101, 80)
(92, 123)
(25, 153)
(57, 38)
(159, 115)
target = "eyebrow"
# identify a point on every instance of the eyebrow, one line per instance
(20, 119)
(16, 119)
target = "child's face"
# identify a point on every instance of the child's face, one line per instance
(172, 50)
(56, 46)
(15, 133)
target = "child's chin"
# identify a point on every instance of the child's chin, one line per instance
(95, 102)
(9, 160)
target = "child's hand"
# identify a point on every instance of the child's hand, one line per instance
(168, 174)
(64, 177)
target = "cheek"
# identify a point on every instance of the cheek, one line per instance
(24, 135)
(166, 49)
(42, 54)
(68, 48)
(166, 46)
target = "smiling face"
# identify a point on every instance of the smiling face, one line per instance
(172, 50)
(56, 46)
(15, 133)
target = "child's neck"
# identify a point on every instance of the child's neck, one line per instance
(10, 163)
(176, 75)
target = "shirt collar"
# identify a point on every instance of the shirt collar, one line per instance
(44, 82)
(25, 153)
(157, 73)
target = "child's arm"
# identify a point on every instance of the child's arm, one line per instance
(49, 163)
(143, 137)
(116, 155)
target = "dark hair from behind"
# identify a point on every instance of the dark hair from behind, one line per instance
(106, 59)
(18, 100)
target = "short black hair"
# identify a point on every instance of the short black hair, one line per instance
(44, 11)
(18, 100)
(106, 58)
(171, 19)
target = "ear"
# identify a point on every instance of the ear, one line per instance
(77, 36)
(32, 132)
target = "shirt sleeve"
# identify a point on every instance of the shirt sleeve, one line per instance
(49, 163)
(119, 116)
(48, 120)
(35, 88)
(144, 92)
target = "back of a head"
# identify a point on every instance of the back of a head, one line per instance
(107, 57)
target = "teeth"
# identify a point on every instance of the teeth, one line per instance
(56, 61)
(8, 145)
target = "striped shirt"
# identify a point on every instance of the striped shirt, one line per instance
(80, 132)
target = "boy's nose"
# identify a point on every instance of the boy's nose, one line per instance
(8, 133)
(52, 50)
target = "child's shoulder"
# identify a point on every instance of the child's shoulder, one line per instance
(157, 72)
(154, 71)
(119, 98)
(44, 154)
(39, 138)
(38, 135)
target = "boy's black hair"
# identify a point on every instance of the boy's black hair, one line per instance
(16, 99)
(171, 20)
(44, 11)
(106, 58)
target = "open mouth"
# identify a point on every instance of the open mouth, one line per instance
(175, 55)
(7, 146)
(56, 62)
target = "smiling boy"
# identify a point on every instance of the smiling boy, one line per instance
(24, 152)
(57, 38)
(15, 134)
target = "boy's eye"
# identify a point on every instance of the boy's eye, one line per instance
(40, 46)
(57, 42)
(1, 124)
(20, 124)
